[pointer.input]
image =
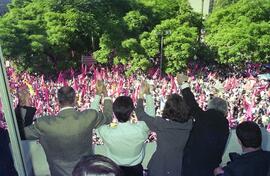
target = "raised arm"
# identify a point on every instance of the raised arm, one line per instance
(142, 115)
(150, 106)
(188, 96)
(148, 115)
(104, 117)
(96, 102)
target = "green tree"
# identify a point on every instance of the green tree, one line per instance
(52, 34)
(239, 32)
(44, 36)
(223, 3)
(180, 38)
(135, 21)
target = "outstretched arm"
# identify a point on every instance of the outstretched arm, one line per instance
(150, 106)
(148, 115)
(142, 115)
(106, 116)
(96, 102)
(188, 96)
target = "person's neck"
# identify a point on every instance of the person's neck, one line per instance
(250, 149)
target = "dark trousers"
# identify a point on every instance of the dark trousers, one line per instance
(132, 170)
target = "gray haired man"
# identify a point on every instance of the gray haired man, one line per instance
(209, 135)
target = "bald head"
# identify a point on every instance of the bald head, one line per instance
(66, 96)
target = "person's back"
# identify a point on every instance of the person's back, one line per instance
(206, 144)
(124, 141)
(249, 164)
(254, 161)
(172, 130)
(67, 137)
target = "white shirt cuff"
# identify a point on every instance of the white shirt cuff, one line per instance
(184, 85)
(107, 98)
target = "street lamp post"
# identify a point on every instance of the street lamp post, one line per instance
(162, 34)
(202, 7)
(161, 54)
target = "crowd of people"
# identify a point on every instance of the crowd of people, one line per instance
(248, 96)
(180, 110)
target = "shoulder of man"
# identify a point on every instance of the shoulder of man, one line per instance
(89, 112)
(44, 120)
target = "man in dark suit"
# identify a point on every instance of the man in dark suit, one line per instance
(67, 136)
(254, 161)
(206, 144)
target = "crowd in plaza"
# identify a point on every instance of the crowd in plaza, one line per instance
(247, 95)
(197, 107)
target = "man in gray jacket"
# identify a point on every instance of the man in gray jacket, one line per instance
(67, 136)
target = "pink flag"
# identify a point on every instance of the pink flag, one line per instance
(102, 74)
(197, 87)
(72, 72)
(83, 69)
(60, 78)
(248, 107)
(156, 74)
(211, 75)
(120, 87)
(134, 96)
(97, 75)
(173, 85)
(164, 86)
(75, 84)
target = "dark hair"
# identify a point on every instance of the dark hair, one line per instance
(66, 95)
(176, 109)
(122, 108)
(249, 133)
(95, 165)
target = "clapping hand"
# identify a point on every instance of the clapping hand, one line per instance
(101, 88)
(24, 97)
(145, 89)
(181, 78)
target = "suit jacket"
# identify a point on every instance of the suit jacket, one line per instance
(207, 140)
(67, 137)
(171, 139)
(250, 164)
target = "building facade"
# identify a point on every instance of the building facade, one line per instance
(202, 6)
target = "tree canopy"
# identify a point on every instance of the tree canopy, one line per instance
(45, 36)
(240, 32)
